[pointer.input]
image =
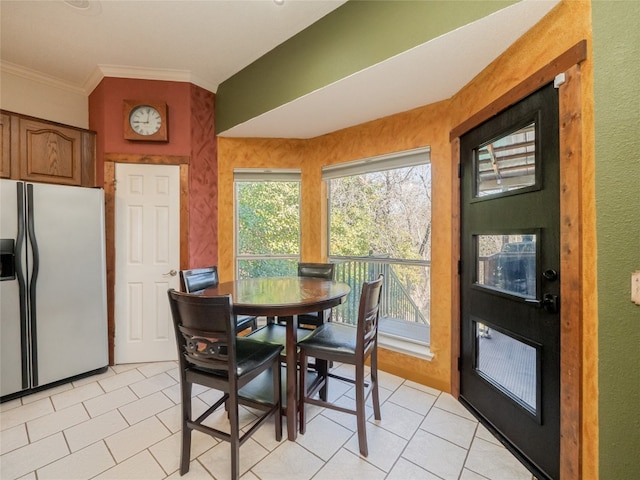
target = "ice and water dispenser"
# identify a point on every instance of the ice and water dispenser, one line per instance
(7, 259)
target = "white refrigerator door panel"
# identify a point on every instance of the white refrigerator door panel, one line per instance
(71, 310)
(10, 345)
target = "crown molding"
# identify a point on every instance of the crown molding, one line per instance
(102, 71)
(141, 73)
(34, 76)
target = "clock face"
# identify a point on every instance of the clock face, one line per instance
(145, 120)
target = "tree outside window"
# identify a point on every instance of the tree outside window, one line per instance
(268, 228)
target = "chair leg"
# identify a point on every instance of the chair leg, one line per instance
(277, 399)
(234, 428)
(361, 411)
(303, 391)
(322, 367)
(374, 385)
(185, 453)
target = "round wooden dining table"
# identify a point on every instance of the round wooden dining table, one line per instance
(285, 298)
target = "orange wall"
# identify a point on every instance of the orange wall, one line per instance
(563, 27)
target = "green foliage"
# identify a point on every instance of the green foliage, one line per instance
(385, 213)
(268, 224)
(268, 218)
(267, 268)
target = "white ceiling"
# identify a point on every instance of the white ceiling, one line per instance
(207, 41)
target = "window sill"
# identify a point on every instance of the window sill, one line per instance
(404, 345)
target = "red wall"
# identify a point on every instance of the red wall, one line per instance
(203, 181)
(191, 133)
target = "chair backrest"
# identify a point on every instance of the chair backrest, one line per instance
(205, 331)
(318, 270)
(197, 279)
(368, 315)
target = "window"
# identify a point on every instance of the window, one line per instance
(267, 212)
(379, 213)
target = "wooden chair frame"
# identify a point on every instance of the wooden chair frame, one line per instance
(334, 342)
(211, 354)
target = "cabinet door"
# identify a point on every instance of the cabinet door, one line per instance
(5, 146)
(50, 153)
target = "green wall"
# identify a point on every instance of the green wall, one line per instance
(616, 52)
(353, 37)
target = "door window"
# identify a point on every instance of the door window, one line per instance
(507, 163)
(507, 363)
(507, 263)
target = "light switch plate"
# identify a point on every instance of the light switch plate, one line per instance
(635, 287)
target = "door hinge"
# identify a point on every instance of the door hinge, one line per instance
(459, 170)
(459, 364)
(459, 267)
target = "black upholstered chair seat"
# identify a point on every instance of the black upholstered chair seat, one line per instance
(276, 334)
(331, 338)
(250, 355)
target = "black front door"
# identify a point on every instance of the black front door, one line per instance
(510, 278)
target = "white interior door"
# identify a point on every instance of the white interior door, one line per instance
(147, 241)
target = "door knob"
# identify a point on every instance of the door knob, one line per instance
(550, 275)
(170, 273)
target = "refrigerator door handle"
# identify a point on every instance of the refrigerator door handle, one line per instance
(22, 287)
(33, 283)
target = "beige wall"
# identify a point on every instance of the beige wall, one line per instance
(42, 97)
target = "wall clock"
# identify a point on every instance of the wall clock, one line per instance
(145, 120)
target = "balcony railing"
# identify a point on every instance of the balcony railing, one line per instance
(404, 283)
(404, 306)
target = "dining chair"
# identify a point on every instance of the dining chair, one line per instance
(348, 344)
(211, 354)
(315, 270)
(197, 279)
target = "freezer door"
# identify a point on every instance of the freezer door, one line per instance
(14, 351)
(70, 287)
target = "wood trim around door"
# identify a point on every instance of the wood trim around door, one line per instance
(571, 344)
(110, 160)
(571, 313)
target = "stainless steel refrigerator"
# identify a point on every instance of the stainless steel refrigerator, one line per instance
(53, 309)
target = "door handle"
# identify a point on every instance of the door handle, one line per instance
(550, 302)
(170, 273)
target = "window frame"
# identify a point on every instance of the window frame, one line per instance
(254, 175)
(406, 341)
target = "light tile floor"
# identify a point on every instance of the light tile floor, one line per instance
(124, 424)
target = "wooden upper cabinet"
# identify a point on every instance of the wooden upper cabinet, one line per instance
(5, 145)
(42, 151)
